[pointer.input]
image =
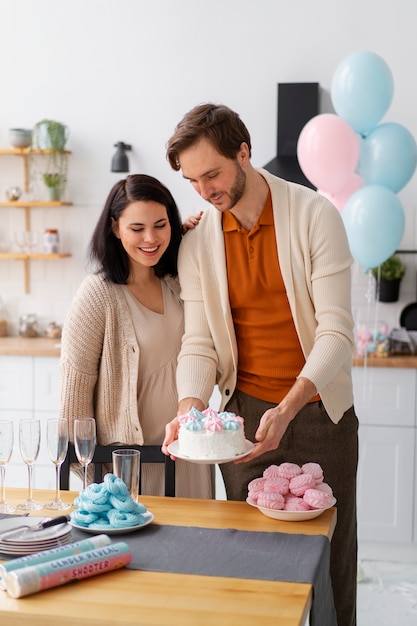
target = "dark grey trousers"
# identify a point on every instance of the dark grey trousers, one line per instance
(311, 437)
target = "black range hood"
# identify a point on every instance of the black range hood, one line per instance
(297, 104)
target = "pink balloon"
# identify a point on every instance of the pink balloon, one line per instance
(328, 152)
(340, 198)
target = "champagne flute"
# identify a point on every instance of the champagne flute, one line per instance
(29, 441)
(6, 448)
(31, 240)
(85, 442)
(57, 438)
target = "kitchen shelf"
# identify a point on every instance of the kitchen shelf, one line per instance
(26, 206)
(26, 257)
(34, 203)
(25, 153)
(23, 256)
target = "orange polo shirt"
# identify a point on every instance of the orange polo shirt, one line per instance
(270, 356)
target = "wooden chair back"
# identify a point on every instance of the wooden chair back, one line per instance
(103, 455)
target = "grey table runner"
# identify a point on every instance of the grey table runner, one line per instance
(236, 554)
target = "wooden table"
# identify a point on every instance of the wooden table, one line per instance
(139, 598)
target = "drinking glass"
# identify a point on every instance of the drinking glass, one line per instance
(6, 448)
(57, 438)
(29, 441)
(20, 240)
(85, 442)
(126, 465)
(31, 240)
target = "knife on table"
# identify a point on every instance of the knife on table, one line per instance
(26, 529)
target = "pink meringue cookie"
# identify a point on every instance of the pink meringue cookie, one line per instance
(253, 495)
(288, 470)
(314, 469)
(317, 499)
(325, 487)
(299, 484)
(256, 485)
(210, 413)
(277, 485)
(271, 472)
(270, 500)
(294, 503)
(213, 425)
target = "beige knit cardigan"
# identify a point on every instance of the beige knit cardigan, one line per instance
(315, 262)
(100, 361)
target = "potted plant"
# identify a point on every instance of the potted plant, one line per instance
(53, 183)
(388, 278)
(50, 135)
(49, 138)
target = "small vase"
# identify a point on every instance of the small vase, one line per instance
(388, 290)
(53, 193)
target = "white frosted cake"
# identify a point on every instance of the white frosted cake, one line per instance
(211, 435)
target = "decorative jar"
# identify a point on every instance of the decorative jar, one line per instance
(372, 338)
(3, 320)
(28, 325)
(51, 241)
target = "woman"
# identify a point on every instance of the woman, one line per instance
(123, 330)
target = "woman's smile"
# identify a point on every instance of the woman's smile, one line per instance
(144, 231)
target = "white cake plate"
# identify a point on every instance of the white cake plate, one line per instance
(173, 449)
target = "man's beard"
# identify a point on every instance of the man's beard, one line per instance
(238, 187)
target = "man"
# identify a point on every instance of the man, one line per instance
(265, 280)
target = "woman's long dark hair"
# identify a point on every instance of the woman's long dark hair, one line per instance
(106, 250)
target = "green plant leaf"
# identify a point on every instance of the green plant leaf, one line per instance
(391, 269)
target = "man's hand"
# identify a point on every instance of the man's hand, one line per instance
(272, 427)
(274, 422)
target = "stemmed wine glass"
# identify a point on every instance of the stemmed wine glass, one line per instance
(6, 448)
(29, 441)
(57, 438)
(85, 442)
(31, 240)
(20, 240)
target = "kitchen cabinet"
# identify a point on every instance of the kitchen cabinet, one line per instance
(27, 206)
(385, 402)
(385, 484)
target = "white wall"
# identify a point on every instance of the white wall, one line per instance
(129, 69)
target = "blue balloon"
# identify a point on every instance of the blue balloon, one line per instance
(362, 89)
(388, 156)
(374, 221)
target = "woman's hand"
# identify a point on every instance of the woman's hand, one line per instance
(172, 428)
(191, 222)
(171, 434)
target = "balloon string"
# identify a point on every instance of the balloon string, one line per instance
(376, 289)
(372, 314)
